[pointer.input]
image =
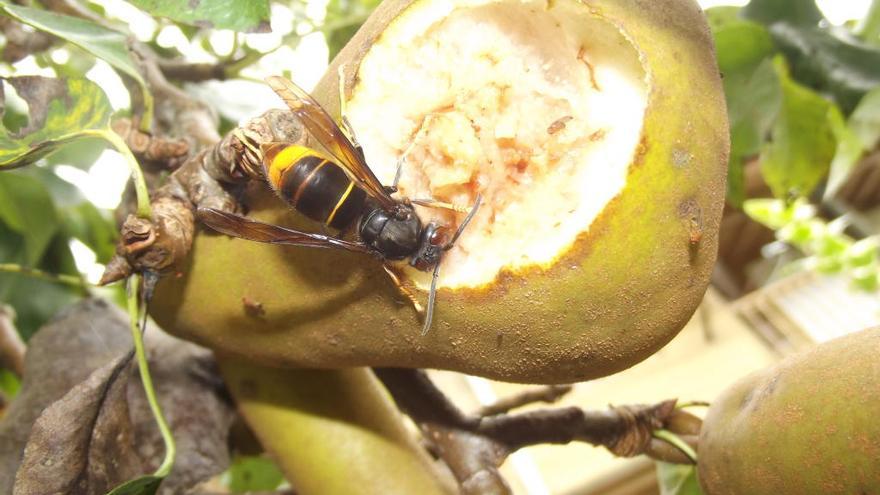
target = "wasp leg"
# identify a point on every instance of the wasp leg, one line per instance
(403, 290)
(344, 231)
(349, 130)
(423, 128)
(433, 203)
(466, 221)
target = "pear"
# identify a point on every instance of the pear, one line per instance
(807, 425)
(596, 134)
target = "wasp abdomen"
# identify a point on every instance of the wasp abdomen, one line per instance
(316, 187)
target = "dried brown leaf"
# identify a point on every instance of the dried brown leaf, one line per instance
(101, 432)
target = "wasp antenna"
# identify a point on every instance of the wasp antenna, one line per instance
(466, 221)
(432, 296)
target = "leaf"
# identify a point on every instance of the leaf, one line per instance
(802, 142)
(343, 19)
(865, 119)
(64, 354)
(849, 150)
(82, 153)
(80, 218)
(64, 455)
(251, 473)
(18, 290)
(830, 60)
(78, 63)
(238, 15)
(736, 181)
(741, 45)
(59, 110)
(754, 98)
(868, 29)
(145, 485)
(722, 15)
(106, 44)
(677, 479)
(796, 12)
(770, 212)
(27, 208)
(9, 384)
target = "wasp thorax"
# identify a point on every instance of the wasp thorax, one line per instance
(544, 127)
(395, 236)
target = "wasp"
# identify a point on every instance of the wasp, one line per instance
(334, 185)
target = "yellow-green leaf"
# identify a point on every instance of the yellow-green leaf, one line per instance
(106, 44)
(238, 15)
(802, 141)
(59, 110)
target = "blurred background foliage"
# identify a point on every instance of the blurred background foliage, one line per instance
(803, 97)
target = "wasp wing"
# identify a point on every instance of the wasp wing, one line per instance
(327, 132)
(252, 230)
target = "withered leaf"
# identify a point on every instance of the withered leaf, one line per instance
(101, 433)
(74, 432)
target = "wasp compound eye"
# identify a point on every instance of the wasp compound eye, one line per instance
(439, 237)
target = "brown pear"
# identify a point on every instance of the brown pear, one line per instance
(807, 425)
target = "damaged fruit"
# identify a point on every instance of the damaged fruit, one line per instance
(596, 135)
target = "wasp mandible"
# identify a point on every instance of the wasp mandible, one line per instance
(335, 186)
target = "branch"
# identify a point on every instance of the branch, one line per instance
(549, 394)
(475, 446)
(163, 243)
(12, 348)
(20, 42)
(149, 147)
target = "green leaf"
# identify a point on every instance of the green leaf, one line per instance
(849, 150)
(82, 153)
(677, 479)
(868, 28)
(79, 62)
(251, 473)
(736, 181)
(865, 119)
(772, 213)
(866, 279)
(741, 45)
(80, 218)
(106, 44)
(863, 252)
(238, 15)
(18, 290)
(830, 61)
(59, 111)
(802, 142)
(9, 383)
(94, 228)
(754, 98)
(720, 16)
(343, 19)
(27, 208)
(145, 485)
(797, 12)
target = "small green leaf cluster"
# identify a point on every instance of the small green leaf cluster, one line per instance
(252, 474)
(801, 95)
(678, 479)
(829, 250)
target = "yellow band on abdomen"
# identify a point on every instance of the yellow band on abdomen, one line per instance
(339, 203)
(284, 160)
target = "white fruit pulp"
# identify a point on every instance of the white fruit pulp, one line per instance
(538, 107)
